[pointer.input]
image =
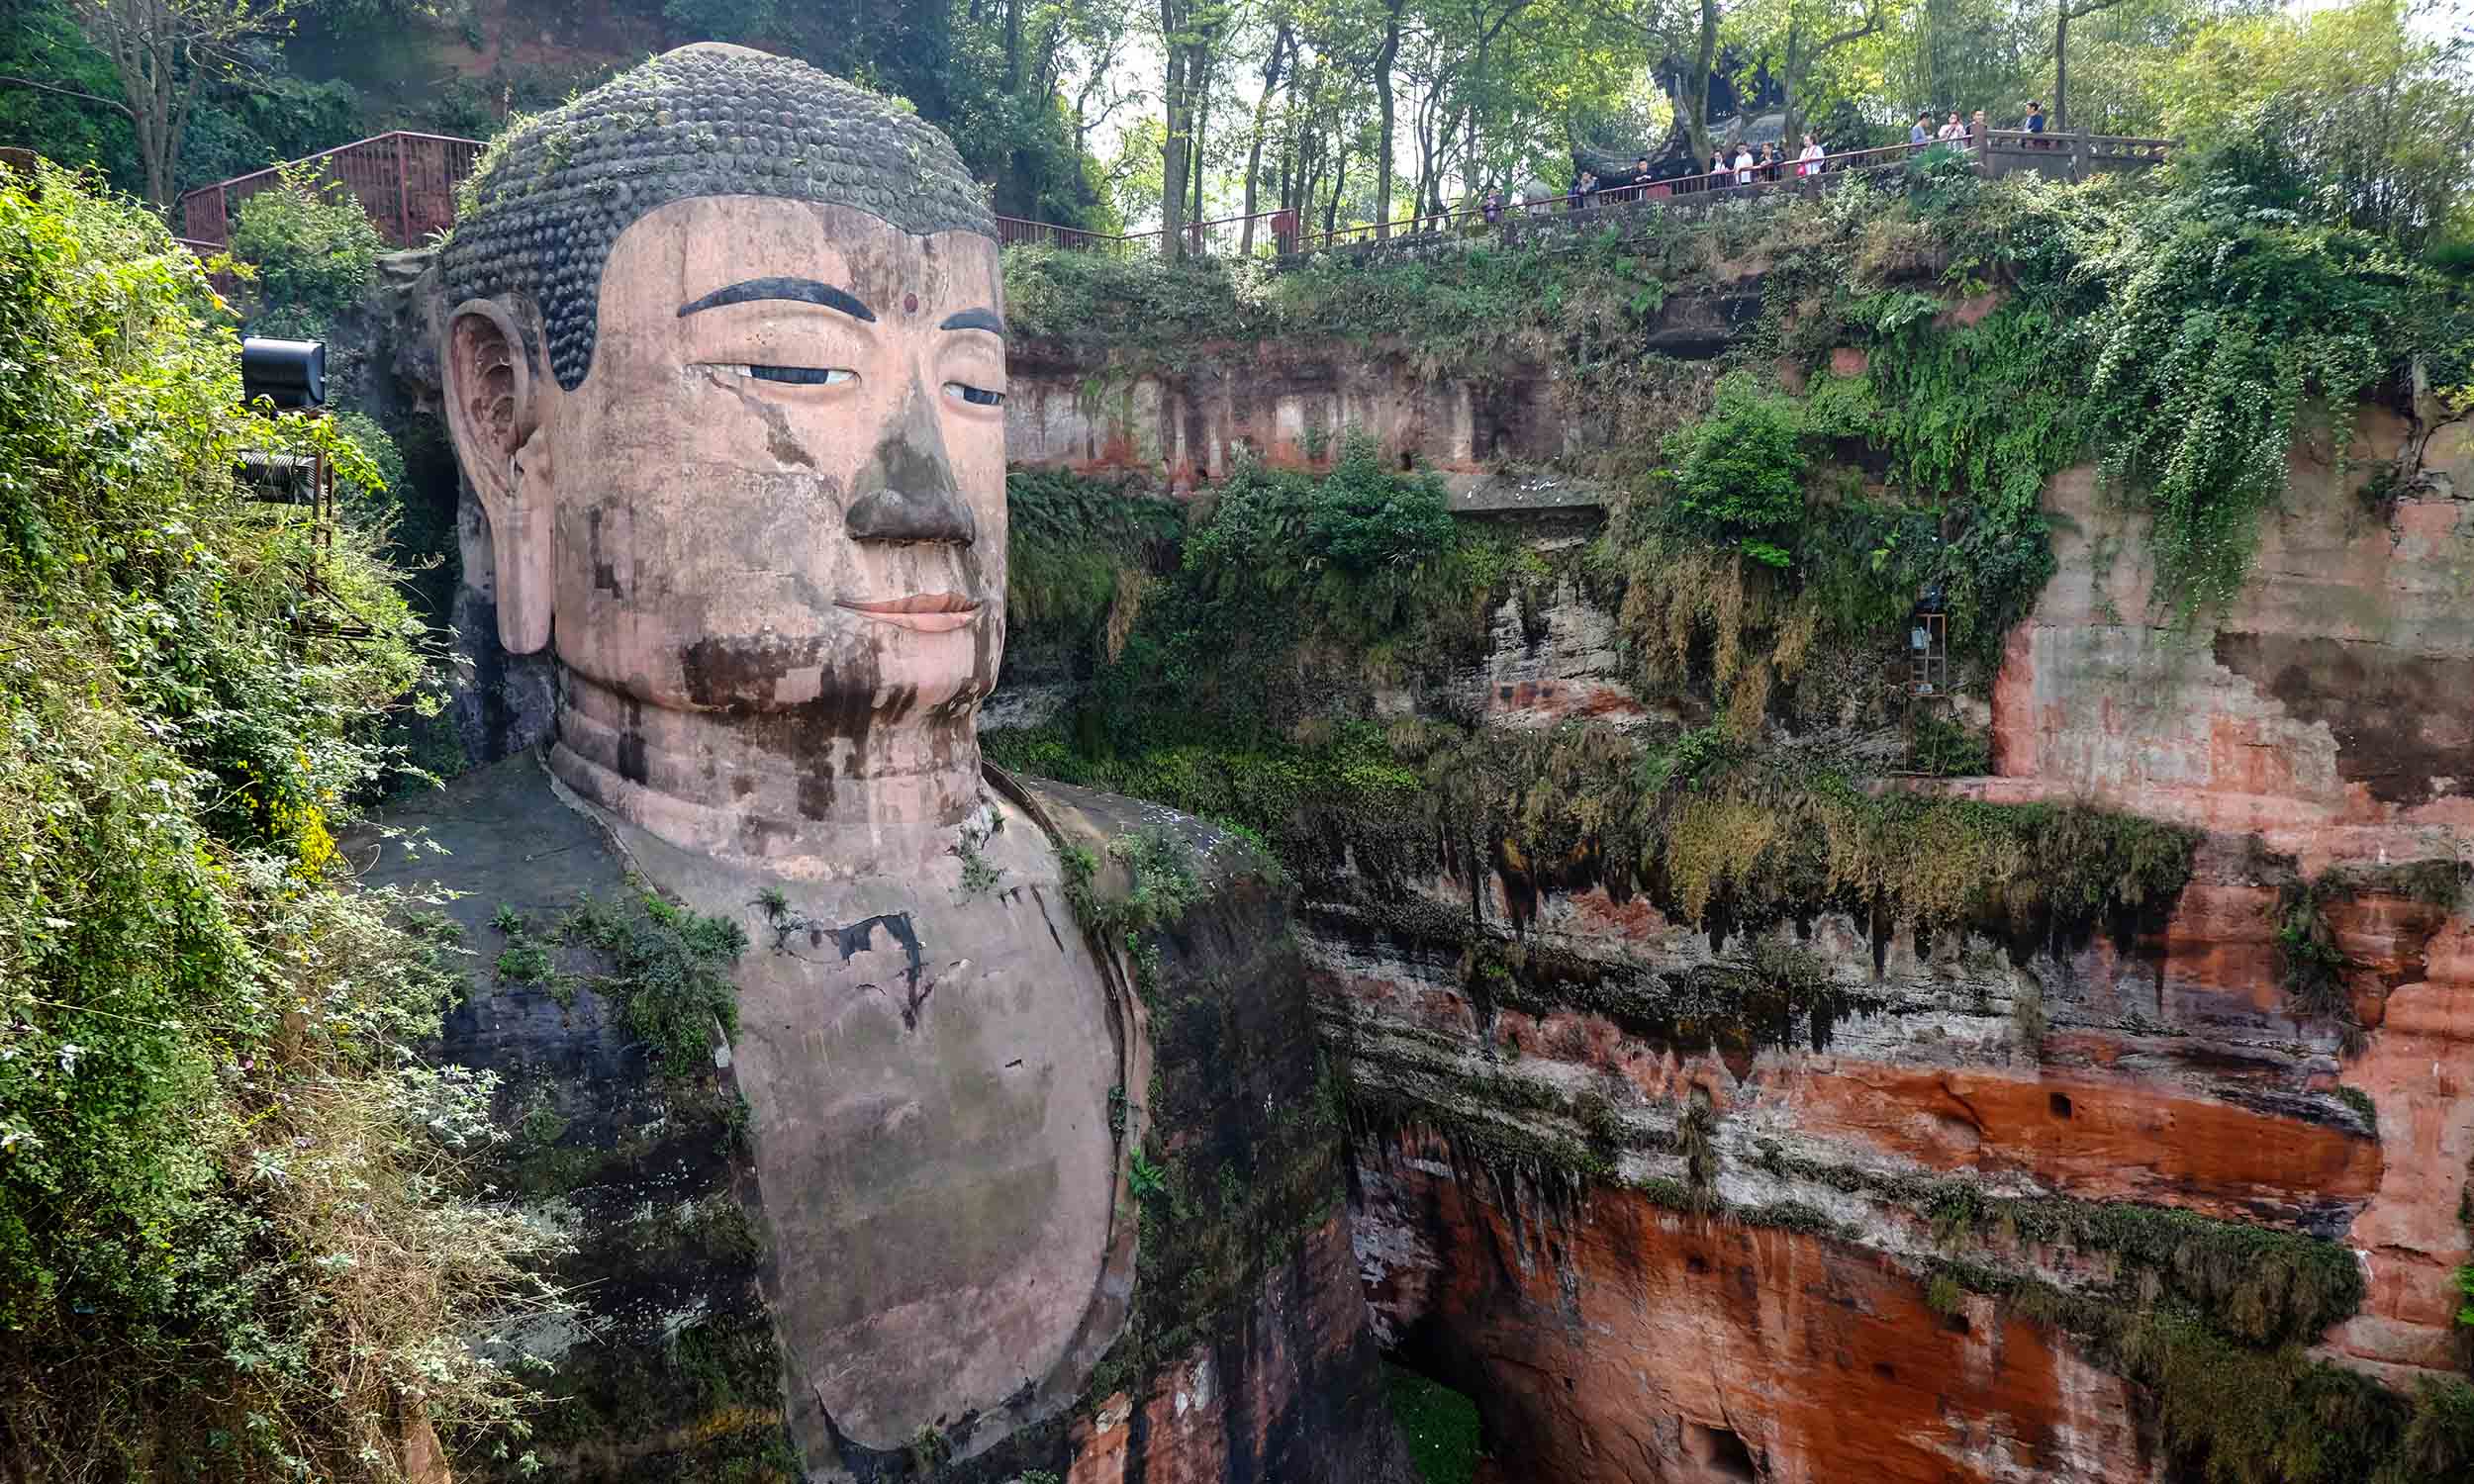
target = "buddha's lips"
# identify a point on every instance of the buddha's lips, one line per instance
(921, 612)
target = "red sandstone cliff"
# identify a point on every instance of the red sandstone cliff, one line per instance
(2327, 722)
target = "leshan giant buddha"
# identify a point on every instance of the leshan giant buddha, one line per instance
(723, 362)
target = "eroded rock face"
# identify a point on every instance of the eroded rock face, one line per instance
(1610, 1338)
(1536, 1148)
(1291, 404)
(2326, 711)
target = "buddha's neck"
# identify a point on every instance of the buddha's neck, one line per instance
(808, 793)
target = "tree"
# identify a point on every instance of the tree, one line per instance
(1283, 42)
(1792, 36)
(1386, 55)
(165, 52)
(2344, 112)
(1695, 102)
(1190, 32)
(2064, 14)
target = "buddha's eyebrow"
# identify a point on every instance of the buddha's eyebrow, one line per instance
(977, 318)
(801, 290)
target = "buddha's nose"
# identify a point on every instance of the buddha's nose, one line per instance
(906, 491)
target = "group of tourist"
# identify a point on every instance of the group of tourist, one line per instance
(1746, 164)
(1968, 131)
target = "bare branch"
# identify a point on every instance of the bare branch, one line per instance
(113, 104)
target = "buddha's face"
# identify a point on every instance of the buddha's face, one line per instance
(780, 488)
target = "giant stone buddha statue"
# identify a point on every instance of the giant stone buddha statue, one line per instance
(724, 362)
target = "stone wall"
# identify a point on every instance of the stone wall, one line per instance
(1190, 415)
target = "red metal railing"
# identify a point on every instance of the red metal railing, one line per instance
(406, 181)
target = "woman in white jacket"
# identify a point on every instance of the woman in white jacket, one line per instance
(1811, 158)
(1743, 164)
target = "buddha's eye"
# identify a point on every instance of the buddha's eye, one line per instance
(797, 376)
(976, 396)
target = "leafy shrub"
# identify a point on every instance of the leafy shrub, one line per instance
(385, 475)
(669, 973)
(1366, 520)
(1079, 551)
(1739, 473)
(313, 245)
(236, 1236)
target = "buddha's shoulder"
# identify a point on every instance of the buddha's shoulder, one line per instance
(498, 834)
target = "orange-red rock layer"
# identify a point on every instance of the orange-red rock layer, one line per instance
(1628, 1344)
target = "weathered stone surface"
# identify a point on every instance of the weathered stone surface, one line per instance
(2331, 708)
(1607, 1338)
(1287, 408)
(1291, 404)
(2418, 1072)
(669, 1370)
(1559, 660)
(1250, 1353)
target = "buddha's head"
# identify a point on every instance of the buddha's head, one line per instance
(725, 366)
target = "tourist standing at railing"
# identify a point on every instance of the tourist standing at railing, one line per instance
(1954, 131)
(1921, 131)
(2035, 124)
(1975, 129)
(1811, 158)
(1574, 193)
(1718, 166)
(1744, 164)
(1492, 206)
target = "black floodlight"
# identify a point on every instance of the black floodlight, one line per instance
(292, 374)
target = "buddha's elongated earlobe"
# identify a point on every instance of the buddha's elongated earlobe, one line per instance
(494, 414)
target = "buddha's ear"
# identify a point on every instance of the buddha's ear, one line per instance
(493, 411)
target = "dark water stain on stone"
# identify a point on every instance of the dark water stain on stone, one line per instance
(632, 744)
(605, 572)
(2399, 718)
(779, 442)
(739, 677)
(860, 936)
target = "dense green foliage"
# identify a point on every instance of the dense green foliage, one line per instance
(313, 248)
(233, 1233)
(1739, 473)
(669, 974)
(1439, 1424)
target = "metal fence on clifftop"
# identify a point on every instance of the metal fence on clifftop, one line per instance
(406, 182)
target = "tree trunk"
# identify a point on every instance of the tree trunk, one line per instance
(1385, 58)
(1254, 152)
(1696, 89)
(1173, 147)
(1791, 88)
(2061, 70)
(1013, 48)
(1202, 121)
